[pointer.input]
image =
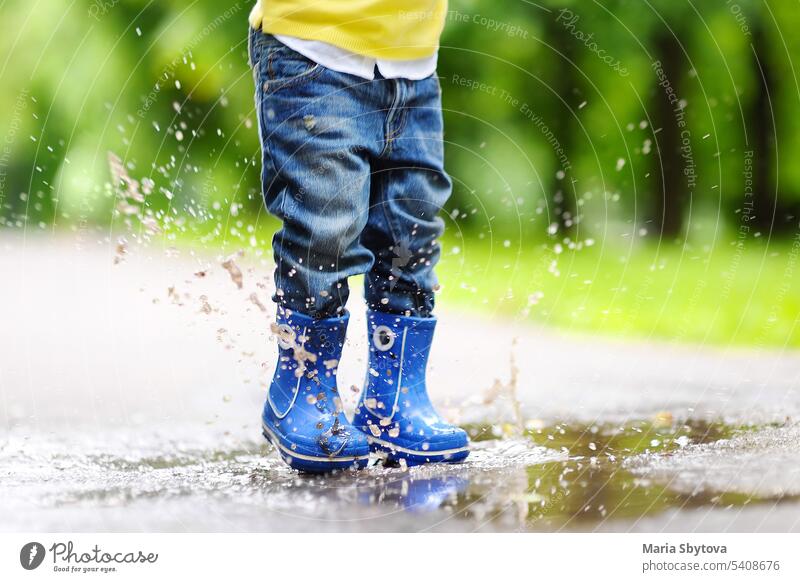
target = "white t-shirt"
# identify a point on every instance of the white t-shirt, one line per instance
(344, 61)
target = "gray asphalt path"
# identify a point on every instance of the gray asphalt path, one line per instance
(130, 394)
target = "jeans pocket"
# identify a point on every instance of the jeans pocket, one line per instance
(284, 67)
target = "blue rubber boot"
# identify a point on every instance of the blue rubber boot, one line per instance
(303, 415)
(394, 411)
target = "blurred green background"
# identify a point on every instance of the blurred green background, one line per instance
(624, 167)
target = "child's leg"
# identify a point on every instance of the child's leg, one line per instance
(409, 187)
(316, 175)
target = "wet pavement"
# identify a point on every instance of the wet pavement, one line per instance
(130, 395)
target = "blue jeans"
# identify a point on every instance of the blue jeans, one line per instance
(354, 169)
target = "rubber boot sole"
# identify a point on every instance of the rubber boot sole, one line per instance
(393, 453)
(310, 463)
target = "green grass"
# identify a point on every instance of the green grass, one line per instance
(721, 296)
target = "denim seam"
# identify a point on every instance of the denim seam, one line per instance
(261, 97)
(402, 118)
(390, 218)
(265, 140)
(392, 111)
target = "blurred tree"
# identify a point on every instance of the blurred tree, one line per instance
(776, 197)
(760, 116)
(563, 102)
(669, 195)
(165, 86)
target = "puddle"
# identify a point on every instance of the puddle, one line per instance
(554, 477)
(594, 483)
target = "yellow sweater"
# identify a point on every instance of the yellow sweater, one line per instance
(385, 29)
